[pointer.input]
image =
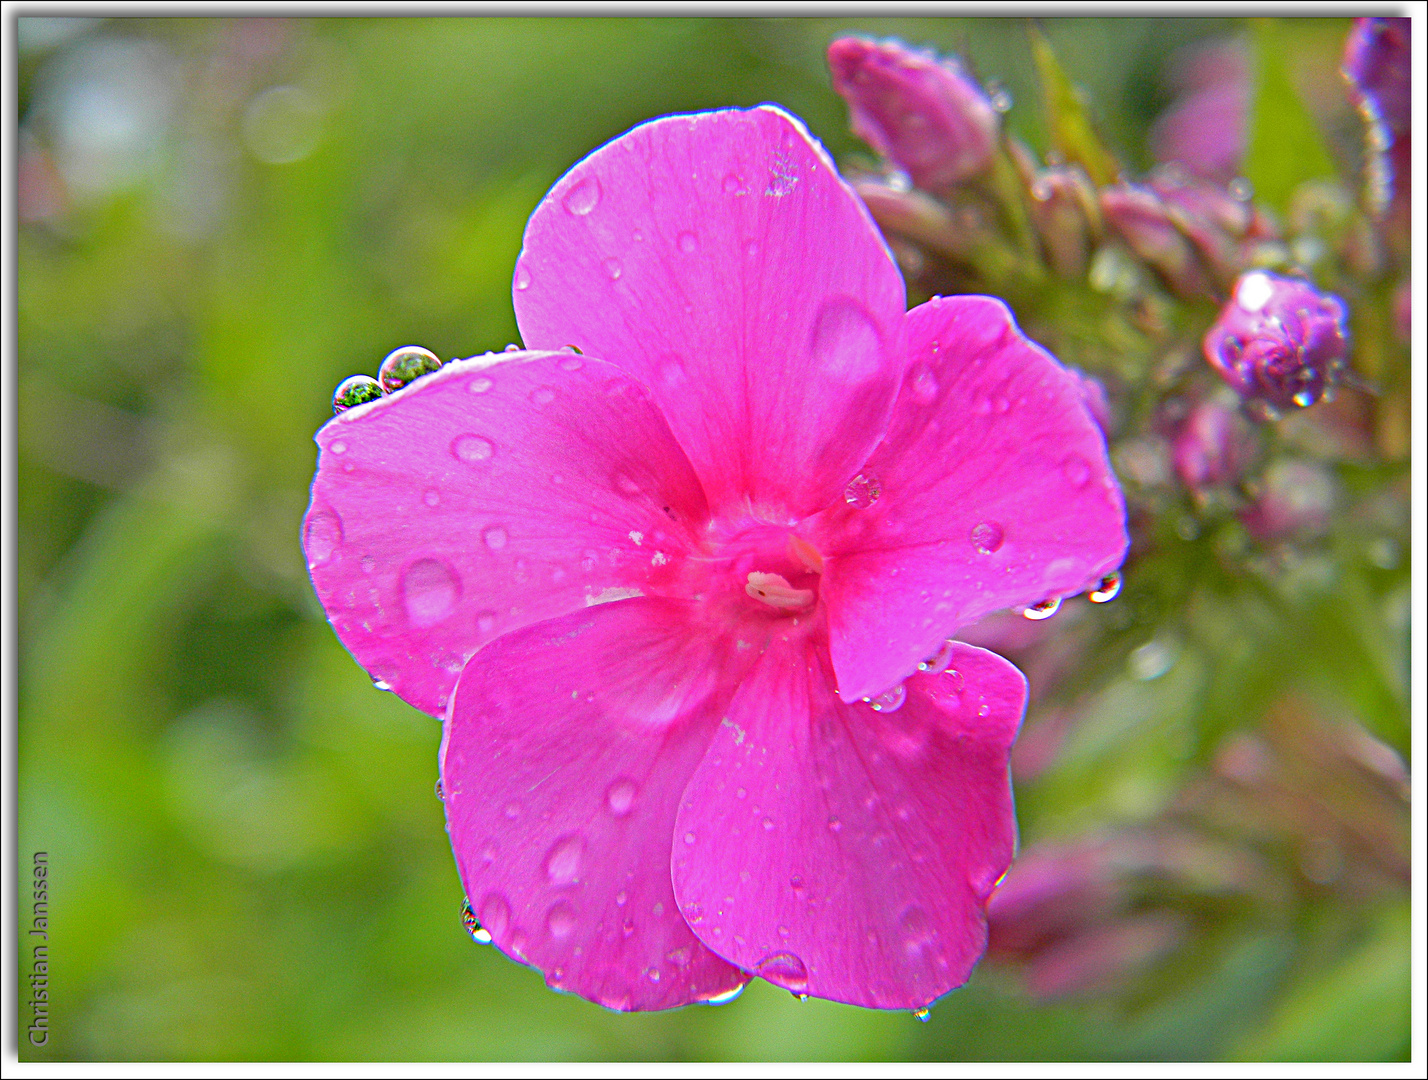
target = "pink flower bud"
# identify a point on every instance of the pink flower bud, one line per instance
(1213, 446)
(1378, 68)
(1147, 226)
(1279, 341)
(1067, 216)
(921, 112)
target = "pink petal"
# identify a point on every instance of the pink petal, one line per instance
(721, 260)
(995, 491)
(845, 853)
(566, 750)
(486, 496)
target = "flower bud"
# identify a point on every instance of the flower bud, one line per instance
(924, 114)
(1279, 342)
(1205, 129)
(1067, 216)
(1213, 446)
(1147, 226)
(1377, 66)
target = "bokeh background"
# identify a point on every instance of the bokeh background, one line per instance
(221, 219)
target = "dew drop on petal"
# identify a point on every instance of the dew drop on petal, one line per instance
(338, 447)
(543, 395)
(431, 497)
(560, 920)
(562, 862)
(768, 824)
(571, 363)
(357, 390)
(938, 661)
(726, 997)
(734, 185)
(987, 537)
(405, 365)
(890, 700)
(614, 268)
(486, 621)
(495, 914)
(924, 386)
(322, 536)
(479, 933)
(523, 277)
(430, 590)
(582, 197)
(862, 491)
(441, 795)
(845, 342)
(1043, 610)
(688, 243)
(923, 1014)
(495, 537)
(1076, 469)
(784, 969)
(620, 796)
(1108, 589)
(471, 448)
(479, 385)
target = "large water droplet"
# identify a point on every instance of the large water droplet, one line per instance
(406, 364)
(923, 1014)
(562, 863)
(1043, 610)
(495, 537)
(560, 920)
(355, 391)
(938, 661)
(862, 491)
(845, 342)
(495, 913)
(471, 448)
(523, 277)
(889, 700)
(784, 969)
(620, 797)
(987, 537)
(1109, 588)
(430, 590)
(688, 243)
(322, 535)
(582, 197)
(479, 934)
(726, 997)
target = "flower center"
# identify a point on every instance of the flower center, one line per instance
(753, 570)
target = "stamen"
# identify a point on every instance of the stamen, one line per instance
(774, 590)
(805, 553)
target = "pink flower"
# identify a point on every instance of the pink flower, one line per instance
(1205, 130)
(675, 593)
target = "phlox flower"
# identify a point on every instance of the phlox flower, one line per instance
(680, 576)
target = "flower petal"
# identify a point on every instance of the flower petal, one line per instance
(721, 260)
(491, 494)
(846, 853)
(994, 491)
(566, 750)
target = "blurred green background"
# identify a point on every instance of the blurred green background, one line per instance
(220, 220)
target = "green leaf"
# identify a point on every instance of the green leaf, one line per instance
(1285, 148)
(1067, 118)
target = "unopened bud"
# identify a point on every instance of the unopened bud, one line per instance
(1279, 342)
(1067, 216)
(1378, 68)
(921, 112)
(1213, 446)
(1148, 228)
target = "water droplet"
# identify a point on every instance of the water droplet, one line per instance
(355, 391)
(862, 491)
(431, 497)
(495, 913)
(1109, 588)
(381, 683)
(671, 371)
(543, 395)
(571, 363)
(889, 700)
(938, 661)
(654, 974)
(478, 933)
(523, 277)
(1241, 190)
(560, 920)
(845, 342)
(1254, 291)
(726, 997)
(495, 537)
(620, 797)
(471, 448)
(404, 365)
(956, 680)
(1043, 610)
(626, 485)
(923, 1014)
(782, 179)
(734, 185)
(897, 180)
(1151, 661)
(479, 385)
(768, 824)
(486, 621)
(562, 863)
(621, 898)
(924, 386)
(628, 927)
(582, 197)
(987, 537)
(430, 590)
(784, 969)
(688, 243)
(512, 811)
(1076, 469)
(614, 268)
(322, 535)
(689, 838)
(441, 796)
(1304, 399)
(834, 825)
